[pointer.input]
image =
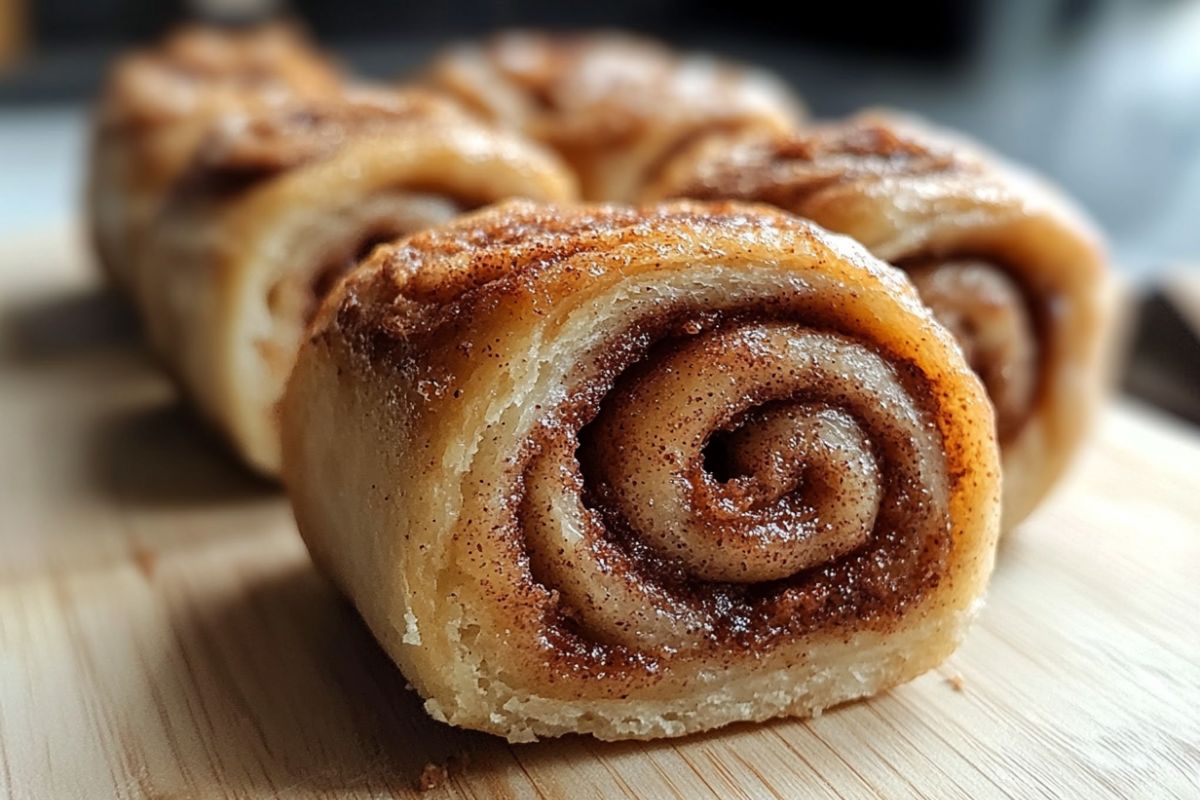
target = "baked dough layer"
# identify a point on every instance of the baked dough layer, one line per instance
(277, 205)
(641, 472)
(1016, 273)
(158, 106)
(613, 105)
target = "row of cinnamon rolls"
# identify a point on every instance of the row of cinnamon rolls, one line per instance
(632, 470)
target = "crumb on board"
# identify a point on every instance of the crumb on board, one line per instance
(956, 682)
(432, 776)
(145, 560)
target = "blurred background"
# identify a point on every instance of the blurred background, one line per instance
(1103, 96)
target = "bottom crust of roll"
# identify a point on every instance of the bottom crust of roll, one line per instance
(863, 667)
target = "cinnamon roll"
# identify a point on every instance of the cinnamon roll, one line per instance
(615, 106)
(1010, 268)
(641, 472)
(158, 106)
(278, 205)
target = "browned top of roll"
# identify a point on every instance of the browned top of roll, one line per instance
(614, 105)
(276, 139)
(411, 284)
(908, 193)
(601, 85)
(785, 170)
(201, 71)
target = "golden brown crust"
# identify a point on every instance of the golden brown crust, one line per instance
(518, 240)
(278, 204)
(245, 147)
(544, 384)
(615, 106)
(199, 72)
(158, 106)
(790, 171)
(997, 256)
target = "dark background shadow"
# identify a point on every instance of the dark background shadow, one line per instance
(163, 455)
(67, 324)
(144, 446)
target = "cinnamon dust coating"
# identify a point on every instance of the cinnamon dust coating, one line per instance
(744, 454)
(297, 296)
(246, 147)
(827, 173)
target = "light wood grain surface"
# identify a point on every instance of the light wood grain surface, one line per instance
(163, 635)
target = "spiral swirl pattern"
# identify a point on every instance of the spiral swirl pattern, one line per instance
(987, 313)
(278, 205)
(824, 174)
(815, 420)
(645, 446)
(1004, 262)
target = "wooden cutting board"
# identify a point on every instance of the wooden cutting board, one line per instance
(162, 633)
